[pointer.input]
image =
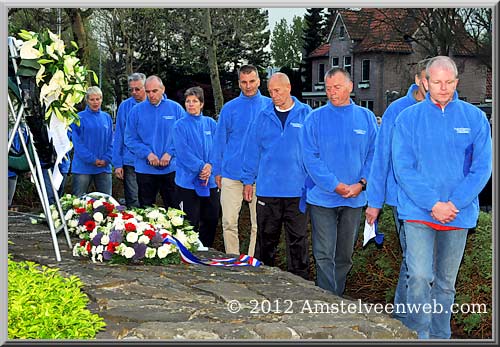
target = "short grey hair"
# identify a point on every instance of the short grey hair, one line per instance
(443, 62)
(137, 76)
(154, 78)
(195, 91)
(336, 70)
(93, 90)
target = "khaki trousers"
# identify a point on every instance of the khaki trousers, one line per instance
(231, 197)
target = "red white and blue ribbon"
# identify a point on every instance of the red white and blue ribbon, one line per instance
(190, 258)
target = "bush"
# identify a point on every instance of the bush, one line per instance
(44, 305)
(375, 272)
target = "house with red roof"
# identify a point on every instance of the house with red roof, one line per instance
(382, 58)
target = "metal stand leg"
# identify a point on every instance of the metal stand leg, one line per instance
(60, 210)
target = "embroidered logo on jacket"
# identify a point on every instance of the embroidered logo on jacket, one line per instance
(168, 117)
(462, 130)
(360, 131)
(296, 125)
(208, 132)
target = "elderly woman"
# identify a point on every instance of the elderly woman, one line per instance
(92, 141)
(197, 192)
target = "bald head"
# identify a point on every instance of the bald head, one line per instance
(154, 89)
(280, 90)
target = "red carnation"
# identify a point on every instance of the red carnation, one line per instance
(113, 215)
(164, 235)
(88, 247)
(90, 225)
(111, 246)
(130, 227)
(109, 207)
(80, 210)
(82, 243)
(126, 216)
(149, 233)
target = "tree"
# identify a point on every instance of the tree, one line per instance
(313, 24)
(329, 18)
(286, 43)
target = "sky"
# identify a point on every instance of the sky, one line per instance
(275, 15)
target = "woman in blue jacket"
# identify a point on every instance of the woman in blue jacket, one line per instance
(93, 144)
(193, 137)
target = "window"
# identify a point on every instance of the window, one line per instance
(321, 73)
(341, 32)
(347, 65)
(367, 103)
(335, 61)
(365, 70)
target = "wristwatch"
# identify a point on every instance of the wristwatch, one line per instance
(363, 185)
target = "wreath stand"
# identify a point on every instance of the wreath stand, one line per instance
(35, 167)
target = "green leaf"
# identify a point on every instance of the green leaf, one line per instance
(74, 44)
(30, 63)
(28, 72)
(45, 61)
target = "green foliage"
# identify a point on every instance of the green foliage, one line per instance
(286, 43)
(44, 305)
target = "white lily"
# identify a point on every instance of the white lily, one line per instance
(69, 64)
(27, 50)
(58, 43)
(40, 75)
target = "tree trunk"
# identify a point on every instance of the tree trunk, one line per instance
(212, 62)
(79, 34)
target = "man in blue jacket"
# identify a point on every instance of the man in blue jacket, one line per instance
(382, 186)
(272, 158)
(339, 140)
(123, 159)
(234, 121)
(148, 136)
(441, 152)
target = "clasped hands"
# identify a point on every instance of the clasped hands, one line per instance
(153, 159)
(349, 190)
(444, 212)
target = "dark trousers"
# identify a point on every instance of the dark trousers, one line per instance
(272, 214)
(202, 212)
(149, 185)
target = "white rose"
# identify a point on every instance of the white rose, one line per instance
(172, 213)
(150, 252)
(97, 203)
(76, 202)
(132, 237)
(128, 252)
(119, 224)
(163, 251)
(181, 237)
(54, 215)
(98, 217)
(153, 214)
(73, 223)
(104, 240)
(139, 218)
(177, 221)
(99, 249)
(143, 239)
(120, 248)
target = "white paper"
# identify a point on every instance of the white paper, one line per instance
(368, 233)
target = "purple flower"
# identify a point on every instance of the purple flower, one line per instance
(106, 255)
(157, 240)
(115, 236)
(140, 251)
(96, 241)
(121, 208)
(84, 217)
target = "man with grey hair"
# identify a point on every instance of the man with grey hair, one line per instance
(123, 159)
(441, 153)
(148, 136)
(338, 146)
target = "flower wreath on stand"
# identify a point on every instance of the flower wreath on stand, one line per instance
(61, 80)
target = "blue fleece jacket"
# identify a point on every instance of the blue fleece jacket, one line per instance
(16, 145)
(431, 152)
(148, 130)
(193, 137)
(121, 154)
(339, 142)
(272, 154)
(382, 185)
(92, 140)
(233, 123)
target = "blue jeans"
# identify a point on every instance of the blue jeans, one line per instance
(81, 183)
(433, 259)
(130, 186)
(48, 186)
(402, 286)
(334, 233)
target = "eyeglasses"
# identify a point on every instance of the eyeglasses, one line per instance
(134, 89)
